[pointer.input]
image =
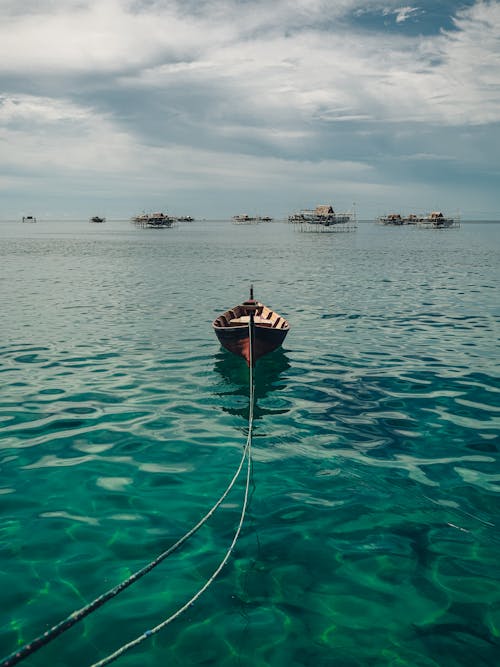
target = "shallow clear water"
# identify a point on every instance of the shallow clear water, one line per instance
(372, 531)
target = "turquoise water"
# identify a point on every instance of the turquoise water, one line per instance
(372, 532)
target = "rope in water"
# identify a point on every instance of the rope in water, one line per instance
(148, 633)
(58, 629)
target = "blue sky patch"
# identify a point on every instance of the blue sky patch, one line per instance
(425, 17)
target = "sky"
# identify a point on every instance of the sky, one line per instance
(213, 108)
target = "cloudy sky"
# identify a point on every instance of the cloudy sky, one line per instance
(218, 107)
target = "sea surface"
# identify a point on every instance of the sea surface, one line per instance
(372, 531)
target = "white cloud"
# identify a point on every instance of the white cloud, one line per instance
(452, 78)
(31, 109)
(455, 77)
(40, 133)
(87, 141)
(431, 157)
(403, 13)
(96, 36)
(81, 36)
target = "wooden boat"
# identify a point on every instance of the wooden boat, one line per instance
(233, 327)
(244, 219)
(154, 220)
(391, 219)
(321, 215)
(436, 220)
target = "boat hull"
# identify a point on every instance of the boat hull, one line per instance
(237, 340)
(232, 328)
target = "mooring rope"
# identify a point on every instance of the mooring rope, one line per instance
(76, 616)
(248, 453)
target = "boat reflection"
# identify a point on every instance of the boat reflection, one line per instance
(233, 386)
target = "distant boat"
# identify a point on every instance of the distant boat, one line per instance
(185, 218)
(96, 218)
(323, 217)
(232, 328)
(436, 220)
(391, 219)
(250, 219)
(140, 219)
(29, 218)
(397, 219)
(244, 219)
(154, 220)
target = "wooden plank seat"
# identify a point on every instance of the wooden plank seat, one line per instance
(245, 319)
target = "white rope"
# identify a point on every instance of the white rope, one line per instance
(247, 453)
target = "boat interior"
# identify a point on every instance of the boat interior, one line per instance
(264, 317)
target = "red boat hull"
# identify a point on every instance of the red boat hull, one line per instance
(237, 340)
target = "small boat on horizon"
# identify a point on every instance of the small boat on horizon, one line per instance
(323, 217)
(97, 218)
(396, 219)
(391, 219)
(29, 218)
(154, 220)
(436, 220)
(244, 219)
(233, 327)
